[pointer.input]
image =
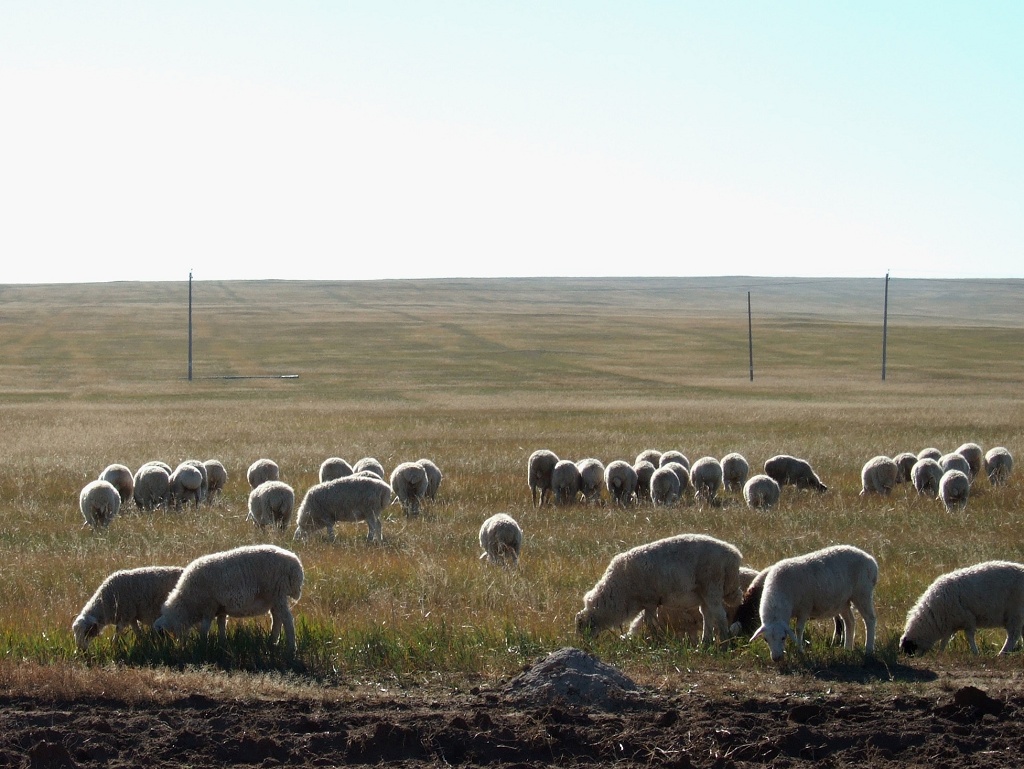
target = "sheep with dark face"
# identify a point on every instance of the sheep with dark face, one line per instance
(539, 468)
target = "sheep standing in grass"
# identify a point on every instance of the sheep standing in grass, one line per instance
(620, 479)
(152, 487)
(124, 599)
(434, 477)
(565, 483)
(674, 456)
(819, 584)
(245, 582)
(926, 475)
(648, 455)
(954, 489)
(644, 470)
(929, 453)
(409, 482)
(735, 470)
(998, 465)
(355, 498)
(792, 471)
(955, 461)
(591, 479)
(99, 502)
(684, 571)
(261, 471)
(217, 478)
(878, 476)
(501, 539)
(334, 467)
(682, 473)
(975, 457)
(204, 487)
(986, 595)
(761, 492)
(706, 478)
(121, 478)
(665, 486)
(271, 504)
(539, 468)
(186, 484)
(369, 464)
(905, 462)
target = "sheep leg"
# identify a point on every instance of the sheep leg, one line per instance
(1013, 633)
(222, 626)
(275, 625)
(716, 622)
(971, 641)
(866, 608)
(846, 615)
(798, 636)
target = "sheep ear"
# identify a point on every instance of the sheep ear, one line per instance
(757, 633)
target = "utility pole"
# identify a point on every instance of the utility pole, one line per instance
(885, 323)
(750, 337)
(190, 326)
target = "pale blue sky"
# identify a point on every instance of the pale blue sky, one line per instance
(341, 140)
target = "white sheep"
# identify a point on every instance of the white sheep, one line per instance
(261, 471)
(761, 492)
(217, 477)
(644, 470)
(334, 467)
(954, 489)
(434, 477)
(245, 582)
(929, 453)
(878, 476)
(648, 455)
(735, 471)
(986, 595)
(271, 504)
(674, 456)
(706, 478)
(905, 462)
(565, 483)
(955, 461)
(204, 487)
(819, 584)
(682, 473)
(355, 498)
(591, 479)
(369, 464)
(620, 480)
(926, 475)
(685, 570)
(152, 486)
(186, 485)
(501, 539)
(122, 479)
(539, 467)
(998, 465)
(99, 502)
(125, 599)
(792, 471)
(664, 487)
(975, 457)
(409, 482)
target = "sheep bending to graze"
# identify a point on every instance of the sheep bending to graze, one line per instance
(955, 461)
(905, 462)
(975, 457)
(538, 471)
(998, 465)
(929, 453)
(926, 475)
(986, 595)
(878, 476)
(706, 478)
(261, 471)
(204, 487)
(954, 489)
(409, 482)
(735, 470)
(121, 478)
(686, 570)
(819, 584)
(648, 455)
(334, 467)
(355, 498)
(761, 492)
(674, 456)
(591, 479)
(565, 483)
(664, 487)
(271, 504)
(501, 539)
(644, 470)
(682, 473)
(792, 471)
(620, 479)
(369, 464)
(99, 502)
(186, 485)
(245, 582)
(217, 477)
(124, 599)
(152, 487)
(434, 477)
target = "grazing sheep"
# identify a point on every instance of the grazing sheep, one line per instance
(674, 456)
(334, 467)
(121, 478)
(501, 539)
(954, 489)
(819, 584)
(355, 498)
(761, 492)
(878, 476)
(261, 471)
(735, 470)
(792, 471)
(271, 504)
(124, 599)
(565, 483)
(152, 487)
(434, 477)
(685, 570)
(245, 582)
(186, 485)
(905, 462)
(955, 461)
(975, 457)
(986, 595)
(369, 464)
(648, 455)
(664, 488)
(409, 482)
(682, 473)
(591, 479)
(644, 470)
(998, 465)
(539, 468)
(926, 475)
(620, 479)
(217, 477)
(204, 487)
(706, 478)
(99, 502)
(929, 453)
(747, 618)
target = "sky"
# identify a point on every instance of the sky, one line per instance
(385, 139)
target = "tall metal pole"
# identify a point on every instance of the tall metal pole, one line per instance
(750, 337)
(885, 323)
(190, 326)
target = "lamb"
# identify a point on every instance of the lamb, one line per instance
(217, 477)
(261, 471)
(565, 483)
(538, 469)
(591, 479)
(620, 479)
(124, 599)
(986, 595)
(271, 504)
(334, 467)
(819, 584)
(975, 457)
(409, 482)
(735, 470)
(955, 461)
(644, 470)
(878, 476)
(664, 488)
(998, 465)
(761, 492)
(905, 462)
(501, 539)
(122, 479)
(929, 453)
(926, 475)
(99, 502)
(434, 477)
(186, 483)
(245, 582)
(369, 464)
(674, 456)
(706, 478)
(355, 498)
(685, 570)
(152, 487)
(954, 489)
(792, 471)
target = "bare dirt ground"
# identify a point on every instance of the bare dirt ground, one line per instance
(567, 710)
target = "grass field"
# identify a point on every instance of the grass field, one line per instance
(476, 375)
